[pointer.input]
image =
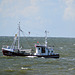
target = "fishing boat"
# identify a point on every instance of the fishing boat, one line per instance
(40, 50)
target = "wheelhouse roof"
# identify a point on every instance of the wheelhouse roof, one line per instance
(40, 46)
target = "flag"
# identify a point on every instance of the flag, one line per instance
(37, 41)
(29, 33)
(35, 45)
(15, 37)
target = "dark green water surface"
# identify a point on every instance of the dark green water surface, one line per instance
(65, 65)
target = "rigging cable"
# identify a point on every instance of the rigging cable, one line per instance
(26, 40)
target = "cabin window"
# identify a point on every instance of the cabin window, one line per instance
(38, 48)
(43, 50)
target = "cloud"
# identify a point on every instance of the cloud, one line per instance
(29, 11)
(69, 11)
(0, 9)
(15, 8)
(33, 2)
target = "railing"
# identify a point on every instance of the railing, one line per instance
(8, 47)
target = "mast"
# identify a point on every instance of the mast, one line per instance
(46, 38)
(19, 35)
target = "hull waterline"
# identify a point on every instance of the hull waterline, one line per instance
(9, 53)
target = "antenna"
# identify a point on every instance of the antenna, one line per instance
(45, 38)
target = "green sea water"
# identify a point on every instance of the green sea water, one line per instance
(18, 65)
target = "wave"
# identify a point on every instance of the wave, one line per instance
(68, 59)
(71, 69)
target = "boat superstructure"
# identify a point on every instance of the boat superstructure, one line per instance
(44, 51)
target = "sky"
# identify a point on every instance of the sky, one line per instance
(36, 16)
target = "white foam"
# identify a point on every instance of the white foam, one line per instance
(31, 56)
(73, 44)
(24, 68)
(42, 57)
(61, 47)
(71, 69)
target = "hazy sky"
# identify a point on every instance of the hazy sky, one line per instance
(36, 16)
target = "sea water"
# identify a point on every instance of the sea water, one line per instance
(18, 65)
